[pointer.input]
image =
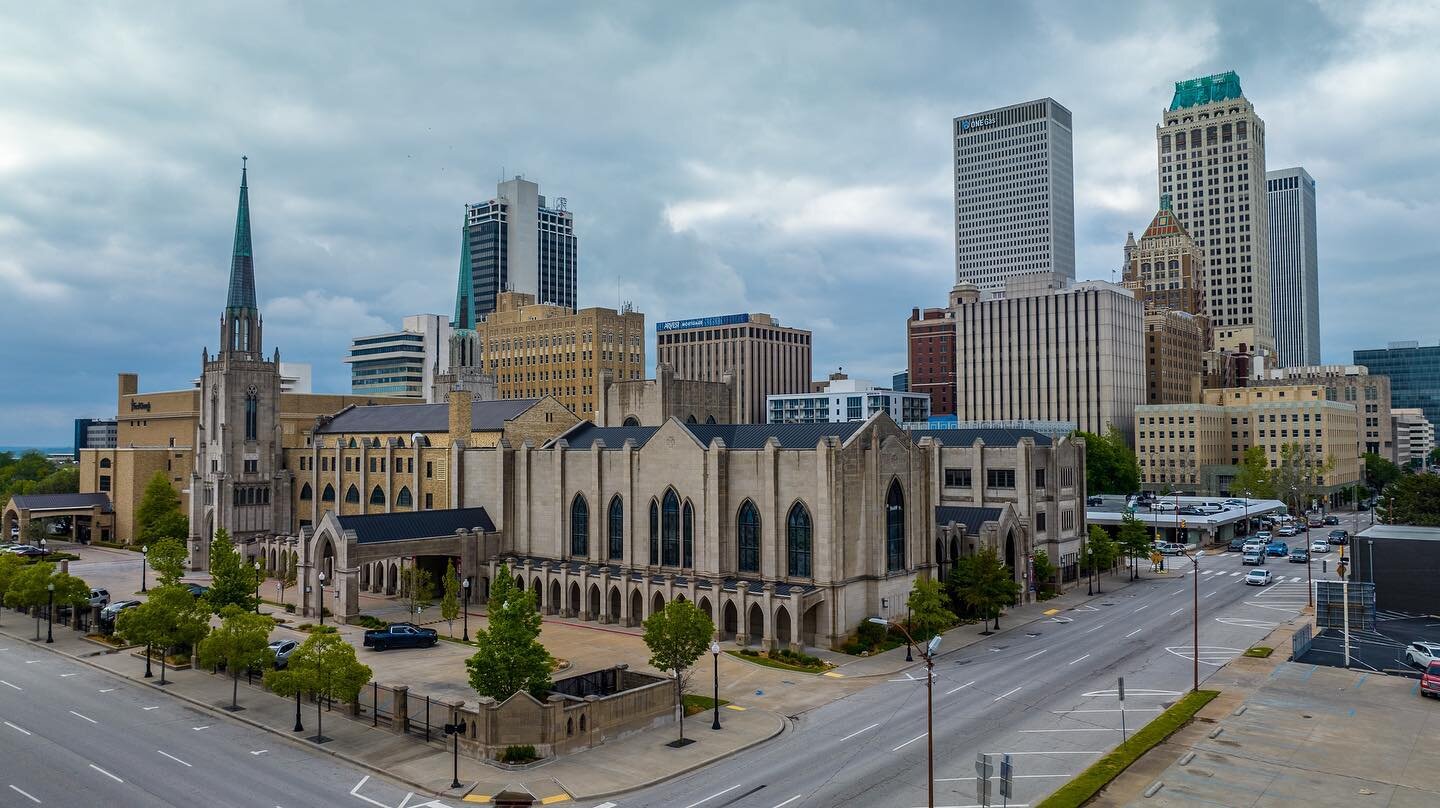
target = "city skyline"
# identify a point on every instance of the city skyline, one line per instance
(697, 190)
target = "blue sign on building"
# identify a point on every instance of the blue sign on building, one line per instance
(702, 322)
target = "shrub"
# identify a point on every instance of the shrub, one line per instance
(518, 753)
(289, 608)
(370, 621)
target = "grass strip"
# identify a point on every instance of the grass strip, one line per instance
(1089, 782)
(775, 663)
(699, 704)
(1259, 652)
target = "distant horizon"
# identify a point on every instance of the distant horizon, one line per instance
(42, 449)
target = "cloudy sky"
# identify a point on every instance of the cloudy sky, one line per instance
(789, 158)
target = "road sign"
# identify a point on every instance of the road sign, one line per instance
(1007, 777)
(1120, 689)
(983, 772)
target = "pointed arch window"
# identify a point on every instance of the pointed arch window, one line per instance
(579, 527)
(748, 538)
(305, 492)
(404, 499)
(797, 541)
(328, 495)
(352, 495)
(252, 409)
(377, 497)
(104, 462)
(687, 535)
(617, 528)
(895, 528)
(670, 530)
(654, 533)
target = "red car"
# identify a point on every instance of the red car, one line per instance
(1430, 680)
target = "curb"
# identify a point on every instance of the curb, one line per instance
(780, 728)
(375, 770)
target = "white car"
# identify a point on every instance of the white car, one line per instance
(1321, 546)
(1421, 654)
(1163, 506)
(1253, 547)
(1258, 577)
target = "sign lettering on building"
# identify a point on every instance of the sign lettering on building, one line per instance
(702, 322)
(139, 405)
(975, 123)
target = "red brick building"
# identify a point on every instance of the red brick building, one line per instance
(931, 337)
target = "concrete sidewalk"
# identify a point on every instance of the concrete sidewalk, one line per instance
(628, 763)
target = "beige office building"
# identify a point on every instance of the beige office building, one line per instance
(1211, 152)
(1165, 268)
(1046, 350)
(1414, 435)
(1351, 384)
(1174, 348)
(533, 350)
(1197, 448)
(764, 357)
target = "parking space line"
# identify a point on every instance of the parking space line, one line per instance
(960, 688)
(1011, 693)
(172, 757)
(17, 729)
(858, 731)
(107, 774)
(713, 796)
(25, 794)
(907, 743)
(87, 718)
(1081, 659)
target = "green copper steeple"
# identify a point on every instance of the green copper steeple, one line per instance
(464, 318)
(242, 261)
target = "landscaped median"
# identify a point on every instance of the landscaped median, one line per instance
(1089, 782)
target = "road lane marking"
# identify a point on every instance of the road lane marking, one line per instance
(156, 707)
(17, 729)
(1133, 633)
(1037, 653)
(856, 732)
(197, 729)
(108, 690)
(960, 688)
(1081, 659)
(258, 752)
(355, 792)
(1142, 608)
(25, 794)
(1097, 628)
(1011, 693)
(1177, 611)
(63, 675)
(7, 684)
(1213, 594)
(172, 757)
(787, 802)
(896, 749)
(713, 796)
(107, 774)
(87, 718)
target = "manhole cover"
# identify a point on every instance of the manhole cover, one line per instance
(1031, 634)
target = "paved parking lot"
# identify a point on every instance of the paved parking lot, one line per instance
(1381, 650)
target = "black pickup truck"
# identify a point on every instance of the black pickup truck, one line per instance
(401, 635)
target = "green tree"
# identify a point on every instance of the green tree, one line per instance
(1253, 475)
(1414, 499)
(168, 558)
(418, 589)
(170, 618)
(450, 601)
(1110, 465)
(241, 641)
(324, 666)
(29, 473)
(1379, 472)
(60, 481)
(984, 584)
(290, 565)
(677, 635)
(1133, 540)
(1298, 476)
(158, 516)
(928, 614)
(1044, 569)
(1100, 550)
(509, 657)
(30, 587)
(10, 566)
(233, 580)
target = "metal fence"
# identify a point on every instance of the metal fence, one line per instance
(418, 715)
(377, 703)
(1330, 608)
(1300, 642)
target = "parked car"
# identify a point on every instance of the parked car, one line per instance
(1263, 536)
(1319, 546)
(1332, 520)
(1161, 505)
(1253, 559)
(1287, 531)
(1237, 545)
(1338, 537)
(1237, 502)
(109, 613)
(1258, 577)
(401, 635)
(1093, 501)
(282, 649)
(1421, 653)
(28, 550)
(1299, 555)
(1430, 681)
(1253, 545)
(1169, 548)
(100, 597)
(1277, 549)
(198, 590)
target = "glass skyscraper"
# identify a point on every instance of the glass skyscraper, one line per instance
(515, 242)
(1294, 269)
(1414, 373)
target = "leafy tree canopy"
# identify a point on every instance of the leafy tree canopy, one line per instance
(158, 516)
(677, 635)
(1380, 472)
(168, 558)
(1414, 499)
(233, 579)
(509, 657)
(1110, 465)
(928, 613)
(241, 641)
(1253, 475)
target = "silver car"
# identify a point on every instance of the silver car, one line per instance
(282, 649)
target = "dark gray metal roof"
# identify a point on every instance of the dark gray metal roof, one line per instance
(971, 517)
(735, 436)
(992, 437)
(409, 525)
(47, 502)
(410, 418)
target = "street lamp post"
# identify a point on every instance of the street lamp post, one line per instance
(908, 656)
(929, 655)
(144, 565)
(50, 613)
(715, 652)
(257, 586)
(321, 578)
(466, 618)
(1195, 641)
(455, 729)
(298, 726)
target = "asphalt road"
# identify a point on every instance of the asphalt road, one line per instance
(73, 735)
(1046, 696)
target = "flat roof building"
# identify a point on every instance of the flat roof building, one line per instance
(401, 363)
(1351, 384)
(842, 400)
(1414, 436)
(1414, 372)
(1294, 267)
(516, 242)
(930, 346)
(764, 357)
